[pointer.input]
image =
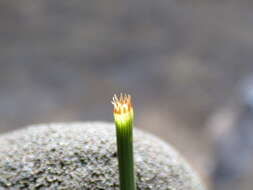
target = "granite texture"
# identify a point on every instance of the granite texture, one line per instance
(75, 156)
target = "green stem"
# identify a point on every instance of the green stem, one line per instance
(124, 131)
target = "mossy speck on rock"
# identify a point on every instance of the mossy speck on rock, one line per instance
(82, 156)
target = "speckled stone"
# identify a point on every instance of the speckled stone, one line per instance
(69, 156)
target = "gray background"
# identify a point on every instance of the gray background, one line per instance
(182, 62)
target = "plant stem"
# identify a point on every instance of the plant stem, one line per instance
(123, 117)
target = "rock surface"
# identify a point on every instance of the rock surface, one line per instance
(83, 156)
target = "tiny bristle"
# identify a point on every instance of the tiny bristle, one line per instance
(122, 104)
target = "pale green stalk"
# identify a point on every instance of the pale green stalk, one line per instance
(123, 117)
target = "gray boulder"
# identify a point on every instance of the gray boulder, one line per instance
(83, 156)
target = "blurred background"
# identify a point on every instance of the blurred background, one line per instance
(187, 65)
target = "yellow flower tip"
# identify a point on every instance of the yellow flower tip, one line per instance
(122, 105)
(123, 110)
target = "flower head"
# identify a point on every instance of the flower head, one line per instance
(123, 110)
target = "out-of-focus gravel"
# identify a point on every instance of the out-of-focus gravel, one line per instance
(83, 156)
